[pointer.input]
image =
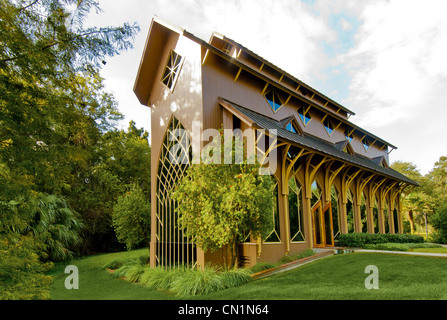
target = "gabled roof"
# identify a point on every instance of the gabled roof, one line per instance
(263, 60)
(260, 121)
(159, 33)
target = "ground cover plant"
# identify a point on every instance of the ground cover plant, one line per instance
(182, 281)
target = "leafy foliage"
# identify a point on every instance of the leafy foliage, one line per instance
(21, 271)
(131, 218)
(53, 112)
(57, 226)
(220, 204)
(424, 202)
(362, 239)
(184, 281)
(439, 222)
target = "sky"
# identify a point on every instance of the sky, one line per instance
(383, 59)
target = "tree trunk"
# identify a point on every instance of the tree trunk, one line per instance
(411, 219)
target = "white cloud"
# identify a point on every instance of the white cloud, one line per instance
(399, 75)
(396, 70)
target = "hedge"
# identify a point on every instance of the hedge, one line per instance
(362, 239)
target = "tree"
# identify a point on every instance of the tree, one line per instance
(219, 205)
(53, 110)
(119, 159)
(56, 225)
(439, 222)
(131, 218)
(417, 202)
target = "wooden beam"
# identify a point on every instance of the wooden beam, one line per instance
(206, 55)
(265, 88)
(238, 74)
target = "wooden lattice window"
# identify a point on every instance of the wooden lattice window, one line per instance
(173, 247)
(271, 232)
(296, 216)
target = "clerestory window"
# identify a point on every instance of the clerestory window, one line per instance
(328, 126)
(366, 143)
(348, 135)
(292, 127)
(304, 114)
(274, 100)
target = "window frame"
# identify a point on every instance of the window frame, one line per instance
(174, 69)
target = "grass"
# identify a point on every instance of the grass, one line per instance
(95, 283)
(431, 250)
(343, 277)
(336, 277)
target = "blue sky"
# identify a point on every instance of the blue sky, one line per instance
(383, 59)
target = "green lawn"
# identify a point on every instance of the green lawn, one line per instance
(95, 283)
(336, 277)
(433, 250)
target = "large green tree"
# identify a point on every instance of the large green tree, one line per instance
(426, 201)
(220, 204)
(53, 111)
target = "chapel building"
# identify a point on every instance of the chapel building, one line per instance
(331, 176)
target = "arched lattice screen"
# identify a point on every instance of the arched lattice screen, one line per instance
(173, 247)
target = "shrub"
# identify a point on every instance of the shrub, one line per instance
(439, 222)
(362, 239)
(236, 277)
(134, 273)
(294, 257)
(197, 282)
(184, 281)
(399, 246)
(159, 278)
(113, 264)
(116, 263)
(131, 218)
(261, 266)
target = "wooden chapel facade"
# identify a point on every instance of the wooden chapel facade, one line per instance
(331, 176)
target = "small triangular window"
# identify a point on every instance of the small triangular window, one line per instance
(292, 127)
(328, 126)
(274, 100)
(304, 115)
(348, 135)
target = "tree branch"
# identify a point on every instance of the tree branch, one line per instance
(30, 5)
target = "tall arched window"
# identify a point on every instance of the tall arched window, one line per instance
(172, 246)
(376, 216)
(296, 218)
(386, 218)
(396, 217)
(335, 212)
(271, 232)
(363, 215)
(350, 212)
